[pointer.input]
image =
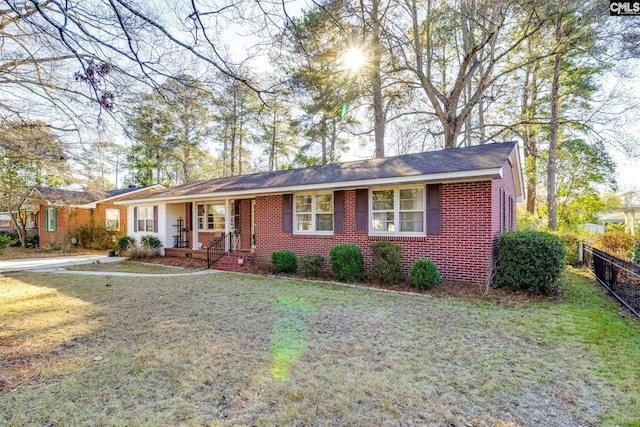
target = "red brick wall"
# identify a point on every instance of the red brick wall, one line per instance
(68, 220)
(245, 223)
(470, 212)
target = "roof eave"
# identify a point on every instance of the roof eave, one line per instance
(474, 175)
(93, 205)
(518, 176)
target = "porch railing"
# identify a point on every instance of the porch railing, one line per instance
(218, 249)
(621, 278)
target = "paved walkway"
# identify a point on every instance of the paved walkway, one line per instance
(54, 263)
(58, 264)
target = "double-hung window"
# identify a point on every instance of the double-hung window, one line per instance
(398, 210)
(212, 216)
(50, 219)
(313, 213)
(112, 219)
(145, 218)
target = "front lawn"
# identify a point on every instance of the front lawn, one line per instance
(138, 267)
(225, 349)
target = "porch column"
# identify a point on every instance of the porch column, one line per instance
(227, 225)
(194, 217)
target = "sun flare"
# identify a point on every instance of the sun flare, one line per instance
(353, 58)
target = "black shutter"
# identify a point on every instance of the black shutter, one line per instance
(338, 211)
(287, 213)
(434, 209)
(362, 210)
(135, 219)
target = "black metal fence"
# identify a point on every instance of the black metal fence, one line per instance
(621, 278)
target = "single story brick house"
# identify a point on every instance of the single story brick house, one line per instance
(447, 205)
(6, 224)
(55, 213)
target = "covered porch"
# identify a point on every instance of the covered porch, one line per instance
(201, 227)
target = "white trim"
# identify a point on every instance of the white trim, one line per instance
(205, 216)
(93, 205)
(517, 172)
(465, 176)
(313, 213)
(396, 212)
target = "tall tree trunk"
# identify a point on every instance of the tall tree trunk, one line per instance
(334, 137)
(376, 81)
(527, 111)
(234, 133)
(272, 150)
(323, 139)
(553, 129)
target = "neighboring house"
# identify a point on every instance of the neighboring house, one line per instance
(58, 213)
(629, 216)
(6, 224)
(448, 206)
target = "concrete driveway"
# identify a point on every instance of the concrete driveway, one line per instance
(49, 264)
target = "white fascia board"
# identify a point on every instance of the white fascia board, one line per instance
(93, 205)
(518, 176)
(466, 176)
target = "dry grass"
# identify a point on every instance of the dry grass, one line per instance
(132, 267)
(14, 252)
(229, 350)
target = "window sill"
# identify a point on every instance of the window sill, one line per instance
(315, 235)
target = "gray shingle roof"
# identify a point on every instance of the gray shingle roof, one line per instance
(59, 196)
(477, 158)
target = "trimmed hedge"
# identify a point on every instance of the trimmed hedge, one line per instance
(530, 260)
(386, 262)
(284, 262)
(347, 263)
(424, 274)
(312, 265)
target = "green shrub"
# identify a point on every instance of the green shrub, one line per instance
(125, 242)
(530, 260)
(151, 242)
(284, 262)
(386, 262)
(616, 243)
(4, 242)
(636, 254)
(424, 274)
(93, 237)
(347, 262)
(53, 247)
(570, 241)
(312, 265)
(33, 241)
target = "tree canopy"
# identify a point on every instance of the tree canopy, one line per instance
(193, 90)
